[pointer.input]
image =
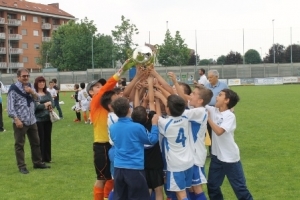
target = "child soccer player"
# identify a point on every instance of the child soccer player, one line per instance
(84, 102)
(129, 139)
(225, 160)
(101, 144)
(77, 106)
(198, 99)
(176, 142)
(112, 118)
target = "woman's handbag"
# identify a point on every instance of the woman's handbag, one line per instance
(53, 115)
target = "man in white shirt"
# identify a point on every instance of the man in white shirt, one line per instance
(202, 80)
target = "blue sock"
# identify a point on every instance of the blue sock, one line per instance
(111, 195)
(192, 195)
(152, 195)
(200, 196)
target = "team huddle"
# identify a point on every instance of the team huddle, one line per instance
(150, 138)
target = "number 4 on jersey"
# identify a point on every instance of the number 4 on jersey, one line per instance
(181, 138)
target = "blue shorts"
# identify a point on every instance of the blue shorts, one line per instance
(178, 181)
(198, 176)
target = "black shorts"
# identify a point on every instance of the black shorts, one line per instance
(154, 177)
(101, 160)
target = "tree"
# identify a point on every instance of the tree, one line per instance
(295, 53)
(233, 58)
(279, 54)
(252, 57)
(74, 45)
(173, 51)
(122, 37)
(44, 53)
(221, 60)
(205, 62)
(193, 58)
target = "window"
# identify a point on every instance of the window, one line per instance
(35, 19)
(25, 46)
(24, 31)
(36, 46)
(23, 17)
(35, 33)
(25, 59)
(36, 59)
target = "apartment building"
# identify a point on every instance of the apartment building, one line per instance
(23, 27)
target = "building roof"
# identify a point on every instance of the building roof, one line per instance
(52, 9)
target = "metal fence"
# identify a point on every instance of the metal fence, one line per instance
(184, 73)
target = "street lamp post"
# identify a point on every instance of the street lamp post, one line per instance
(93, 54)
(261, 53)
(273, 43)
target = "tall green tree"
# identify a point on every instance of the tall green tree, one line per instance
(233, 58)
(279, 54)
(295, 53)
(205, 62)
(221, 60)
(44, 53)
(252, 57)
(74, 46)
(174, 51)
(122, 37)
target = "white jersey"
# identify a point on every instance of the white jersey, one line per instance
(224, 146)
(203, 80)
(197, 129)
(52, 91)
(84, 99)
(176, 143)
(111, 119)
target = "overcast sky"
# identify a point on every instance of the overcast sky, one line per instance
(219, 24)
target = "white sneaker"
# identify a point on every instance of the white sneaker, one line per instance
(61, 102)
(3, 130)
(86, 122)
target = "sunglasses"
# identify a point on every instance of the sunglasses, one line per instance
(25, 76)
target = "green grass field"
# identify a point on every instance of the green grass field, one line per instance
(267, 128)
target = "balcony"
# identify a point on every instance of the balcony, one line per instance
(2, 50)
(15, 65)
(2, 36)
(15, 51)
(46, 39)
(15, 37)
(14, 22)
(2, 20)
(55, 27)
(46, 26)
(3, 65)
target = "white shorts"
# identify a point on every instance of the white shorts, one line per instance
(178, 181)
(85, 105)
(199, 177)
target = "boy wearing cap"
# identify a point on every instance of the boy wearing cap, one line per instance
(101, 141)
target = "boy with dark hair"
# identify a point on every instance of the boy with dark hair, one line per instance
(198, 99)
(176, 143)
(101, 144)
(225, 160)
(129, 152)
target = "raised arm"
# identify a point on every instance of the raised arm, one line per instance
(162, 81)
(151, 93)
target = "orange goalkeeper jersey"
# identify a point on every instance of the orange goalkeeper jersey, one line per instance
(99, 114)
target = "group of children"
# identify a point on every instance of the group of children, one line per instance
(154, 137)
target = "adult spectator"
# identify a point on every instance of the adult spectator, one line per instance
(215, 86)
(42, 114)
(20, 107)
(1, 111)
(202, 79)
(56, 100)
